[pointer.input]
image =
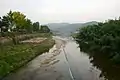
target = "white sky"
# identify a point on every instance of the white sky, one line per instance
(72, 11)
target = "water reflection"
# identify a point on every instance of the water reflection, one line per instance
(109, 70)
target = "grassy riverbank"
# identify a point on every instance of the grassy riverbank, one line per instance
(14, 56)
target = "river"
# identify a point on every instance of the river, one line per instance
(64, 61)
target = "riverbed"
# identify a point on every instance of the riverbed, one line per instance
(64, 61)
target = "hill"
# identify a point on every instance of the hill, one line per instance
(65, 29)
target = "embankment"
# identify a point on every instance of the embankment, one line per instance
(13, 57)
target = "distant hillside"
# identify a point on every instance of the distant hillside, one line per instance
(65, 29)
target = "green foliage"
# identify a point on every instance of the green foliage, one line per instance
(13, 57)
(21, 22)
(15, 27)
(0, 22)
(18, 22)
(36, 26)
(102, 38)
(28, 27)
(4, 24)
(44, 29)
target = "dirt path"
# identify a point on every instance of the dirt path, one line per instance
(34, 40)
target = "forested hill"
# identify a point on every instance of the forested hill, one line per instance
(65, 29)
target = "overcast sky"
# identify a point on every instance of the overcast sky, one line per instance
(72, 11)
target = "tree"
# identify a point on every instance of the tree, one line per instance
(19, 20)
(10, 19)
(5, 24)
(36, 26)
(28, 25)
(44, 29)
(0, 23)
(103, 38)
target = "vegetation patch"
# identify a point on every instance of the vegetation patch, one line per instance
(16, 27)
(103, 38)
(15, 56)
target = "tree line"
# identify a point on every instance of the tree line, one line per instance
(103, 38)
(18, 22)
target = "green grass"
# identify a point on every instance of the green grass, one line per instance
(14, 56)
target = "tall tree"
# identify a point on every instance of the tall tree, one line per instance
(0, 23)
(36, 26)
(5, 23)
(45, 29)
(19, 20)
(28, 25)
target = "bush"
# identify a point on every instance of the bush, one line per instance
(102, 38)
